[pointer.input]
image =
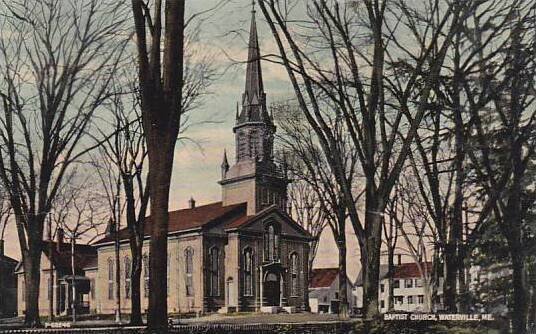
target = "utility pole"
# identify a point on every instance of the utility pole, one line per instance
(51, 259)
(73, 285)
(117, 260)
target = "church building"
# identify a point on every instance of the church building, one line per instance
(244, 253)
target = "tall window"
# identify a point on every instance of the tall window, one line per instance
(92, 288)
(167, 273)
(110, 279)
(128, 275)
(271, 243)
(248, 272)
(49, 287)
(146, 275)
(189, 270)
(294, 267)
(214, 274)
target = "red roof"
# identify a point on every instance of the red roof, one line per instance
(198, 217)
(323, 277)
(411, 270)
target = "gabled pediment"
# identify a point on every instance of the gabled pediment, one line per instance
(256, 223)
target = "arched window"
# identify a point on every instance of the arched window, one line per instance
(294, 271)
(128, 275)
(271, 243)
(214, 272)
(189, 270)
(248, 272)
(110, 279)
(145, 275)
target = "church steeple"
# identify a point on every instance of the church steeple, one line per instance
(253, 99)
(254, 128)
(254, 89)
(254, 178)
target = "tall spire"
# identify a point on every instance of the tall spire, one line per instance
(253, 99)
(254, 87)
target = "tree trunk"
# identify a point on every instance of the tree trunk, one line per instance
(32, 278)
(308, 272)
(531, 318)
(449, 285)
(519, 312)
(436, 274)
(391, 272)
(135, 281)
(343, 278)
(161, 161)
(373, 224)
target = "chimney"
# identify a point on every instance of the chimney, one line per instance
(191, 203)
(2, 247)
(59, 239)
(398, 259)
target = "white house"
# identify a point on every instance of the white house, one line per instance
(408, 288)
(324, 291)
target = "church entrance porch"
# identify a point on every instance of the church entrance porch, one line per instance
(272, 289)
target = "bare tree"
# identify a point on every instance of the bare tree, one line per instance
(161, 78)
(501, 101)
(308, 164)
(5, 213)
(306, 211)
(79, 211)
(120, 168)
(413, 222)
(57, 58)
(122, 162)
(325, 58)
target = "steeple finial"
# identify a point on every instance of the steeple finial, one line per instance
(224, 164)
(253, 6)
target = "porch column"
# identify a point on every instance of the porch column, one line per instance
(281, 289)
(261, 295)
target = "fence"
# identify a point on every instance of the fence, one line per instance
(289, 328)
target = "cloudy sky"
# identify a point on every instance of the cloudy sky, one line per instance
(196, 170)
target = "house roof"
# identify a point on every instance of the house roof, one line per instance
(402, 271)
(411, 270)
(323, 277)
(85, 256)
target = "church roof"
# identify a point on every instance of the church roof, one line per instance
(191, 218)
(231, 217)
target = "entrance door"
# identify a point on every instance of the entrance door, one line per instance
(230, 292)
(272, 289)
